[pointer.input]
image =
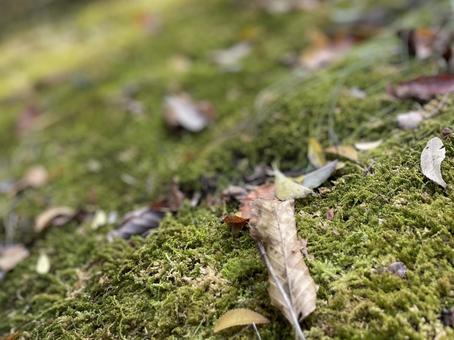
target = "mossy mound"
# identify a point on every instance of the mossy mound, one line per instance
(180, 279)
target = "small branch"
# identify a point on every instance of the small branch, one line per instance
(295, 323)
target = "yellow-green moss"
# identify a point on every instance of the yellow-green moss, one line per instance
(176, 282)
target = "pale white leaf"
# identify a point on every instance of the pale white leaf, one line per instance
(431, 157)
(365, 146)
(410, 120)
(43, 264)
(181, 111)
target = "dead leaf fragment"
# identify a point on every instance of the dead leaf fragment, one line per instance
(99, 219)
(314, 179)
(264, 192)
(431, 157)
(315, 153)
(35, 177)
(286, 188)
(366, 146)
(424, 88)
(11, 255)
(397, 268)
(138, 222)
(238, 317)
(49, 216)
(291, 287)
(229, 59)
(181, 111)
(346, 151)
(43, 264)
(410, 120)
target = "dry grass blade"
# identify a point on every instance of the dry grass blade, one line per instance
(291, 289)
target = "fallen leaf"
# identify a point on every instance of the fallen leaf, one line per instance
(346, 151)
(314, 179)
(229, 59)
(287, 188)
(264, 192)
(99, 220)
(291, 287)
(424, 88)
(35, 177)
(49, 216)
(431, 157)
(315, 153)
(238, 317)
(325, 50)
(11, 255)
(43, 264)
(181, 111)
(138, 222)
(236, 222)
(330, 214)
(365, 146)
(410, 120)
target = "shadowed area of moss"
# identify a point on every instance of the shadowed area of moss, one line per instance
(176, 282)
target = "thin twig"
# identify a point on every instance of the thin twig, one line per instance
(294, 318)
(256, 332)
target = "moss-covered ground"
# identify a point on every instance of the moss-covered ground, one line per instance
(179, 280)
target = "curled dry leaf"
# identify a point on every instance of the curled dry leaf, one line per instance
(431, 157)
(291, 287)
(314, 179)
(239, 317)
(11, 255)
(229, 59)
(315, 153)
(43, 264)
(55, 215)
(424, 88)
(365, 146)
(138, 222)
(286, 188)
(346, 151)
(35, 177)
(181, 111)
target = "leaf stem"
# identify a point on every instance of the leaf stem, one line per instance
(295, 323)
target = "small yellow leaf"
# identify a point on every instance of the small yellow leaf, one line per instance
(238, 317)
(286, 188)
(315, 153)
(346, 151)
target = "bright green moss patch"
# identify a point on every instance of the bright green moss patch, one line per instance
(180, 279)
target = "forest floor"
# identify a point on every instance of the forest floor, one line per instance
(83, 96)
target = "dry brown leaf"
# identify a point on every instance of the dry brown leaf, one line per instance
(424, 88)
(10, 256)
(346, 151)
(431, 157)
(291, 286)
(238, 317)
(48, 216)
(315, 153)
(264, 192)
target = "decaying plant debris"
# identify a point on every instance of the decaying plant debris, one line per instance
(353, 235)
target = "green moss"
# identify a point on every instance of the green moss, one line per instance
(180, 279)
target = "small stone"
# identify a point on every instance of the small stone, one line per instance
(446, 132)
(447, 317)
(398, 268)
